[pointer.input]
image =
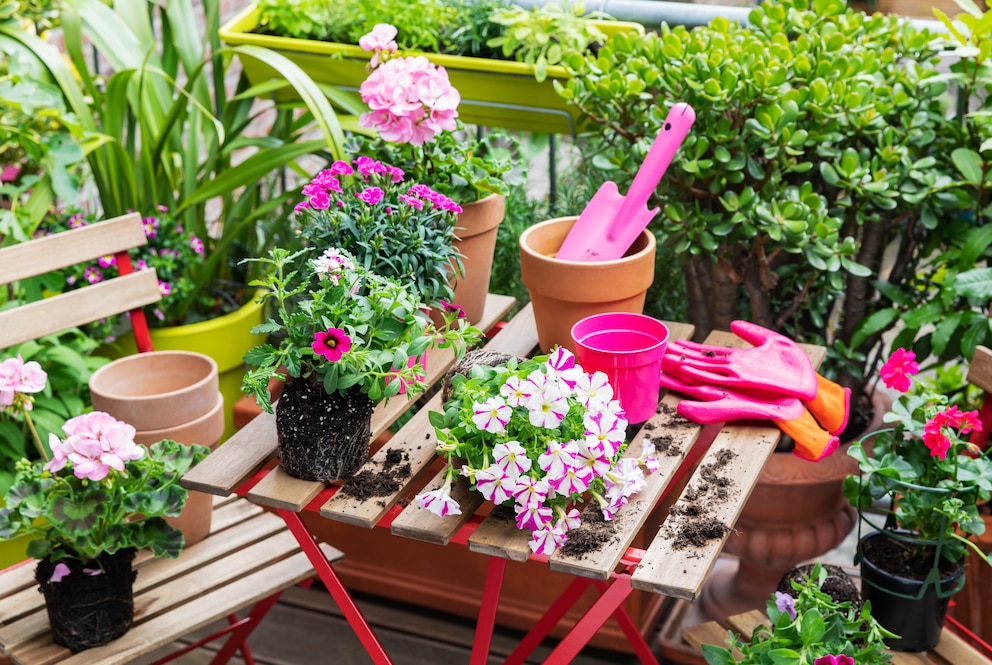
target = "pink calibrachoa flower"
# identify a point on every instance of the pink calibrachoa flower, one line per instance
(898, 368)
(491, 415)
(96, 443)
(458, 310)
(17, 380)
(839, 659)
(332, 344)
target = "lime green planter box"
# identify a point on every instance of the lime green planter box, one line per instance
(495, 93)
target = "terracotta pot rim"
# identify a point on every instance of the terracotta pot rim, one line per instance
(525, 247)
(164, 432)
(121, 363)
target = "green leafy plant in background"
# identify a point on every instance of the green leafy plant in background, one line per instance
(807, 627)
(818, 145)
(174, 136)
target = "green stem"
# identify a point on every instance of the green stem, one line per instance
(35, 437)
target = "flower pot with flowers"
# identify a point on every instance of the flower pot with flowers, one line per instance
(92, 502)
(932, 479)
(538, 435)
(344, 335)
(808, 627)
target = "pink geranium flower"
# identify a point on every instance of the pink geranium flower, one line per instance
(898, 368)
(96, 443)
(332, 344)
(19, 377)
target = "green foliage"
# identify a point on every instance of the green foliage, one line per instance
(82, 518)
(821, 627)
(68, 360)
(544, 35)
(455, 164)
(378, 322)
(817, 145)
(172, 135)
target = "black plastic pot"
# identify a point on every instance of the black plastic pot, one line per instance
(912, 609)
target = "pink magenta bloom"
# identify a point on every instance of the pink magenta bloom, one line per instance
(332, 344)
(512, 458)
(898, 368)
(625, 480)
(320, 200)
(411, 201)
(59, 572)
(593, 390)
(340, 168)
(96, 443)
(491, 415)
(558, 458)
(370, 195)
(331, 263)
(495, 484)
(196, 244)
(531, 491)
(649, 457)
(574, 481)
(458, 310)
(839, 659)
(933, 432)
(513, 391)
(592, 457)
(570, 520)
(439, 502)
(410, 99)
(164, 288)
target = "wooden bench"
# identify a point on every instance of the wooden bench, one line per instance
(951, 650)
(249, 557)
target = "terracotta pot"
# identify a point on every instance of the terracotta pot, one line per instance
(563, 292)
(207, 430)
(476, 231)
(167, 395)
(796, 512)
(156, 390)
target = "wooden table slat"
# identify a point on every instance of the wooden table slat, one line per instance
(278, 489)
(221, 473)
(421, 524)
(669, 571)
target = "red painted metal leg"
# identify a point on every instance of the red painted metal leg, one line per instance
(334, 586)
(244, 628)
(547, 622)
(630, 629)
(591, 622)
(487, 611)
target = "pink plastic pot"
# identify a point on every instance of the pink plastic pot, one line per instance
(628, 348)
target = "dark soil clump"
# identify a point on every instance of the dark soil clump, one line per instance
(665, 445)
(692, 522)
(369, 484)
(593, 533)
(904, 559)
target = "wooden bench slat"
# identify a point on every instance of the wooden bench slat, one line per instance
(75, 308)
(61, 250)
(705, 633)
(13, 581)
(149, 635)
(421, 524)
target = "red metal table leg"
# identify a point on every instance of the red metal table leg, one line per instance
(334, 586)
(630, 629)
(547, 622)
(591, 622)
(487, 611)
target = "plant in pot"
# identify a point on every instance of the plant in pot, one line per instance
(92, 502)
(928, 480)
(429, 144)
(347, 338)
(538, 436)
(808, 627)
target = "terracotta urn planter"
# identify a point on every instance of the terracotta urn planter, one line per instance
(564, 292)
(167, 395)
(476, 231)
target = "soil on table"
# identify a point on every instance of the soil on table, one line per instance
(594, 532)
(692, 521)
(369, 484)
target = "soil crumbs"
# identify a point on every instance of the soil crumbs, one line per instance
(593, 533)
(368, 484)
(693, 523)
(674, 418)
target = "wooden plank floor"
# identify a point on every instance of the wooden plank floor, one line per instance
(306, 628)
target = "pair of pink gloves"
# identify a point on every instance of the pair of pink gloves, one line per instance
(773, 380)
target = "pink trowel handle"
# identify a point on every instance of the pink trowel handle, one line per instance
(660, 155)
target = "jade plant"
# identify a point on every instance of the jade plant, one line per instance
(820, 142)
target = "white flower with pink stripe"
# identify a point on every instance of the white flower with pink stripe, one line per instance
(593, 390)
(512, 458)
(547, 540)
(534, 516)
(492, 415)
(495, 484)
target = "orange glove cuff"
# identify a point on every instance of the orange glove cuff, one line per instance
(813, 443)
(832, 405)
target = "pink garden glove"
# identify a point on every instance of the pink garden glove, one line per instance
(722, 404)
(773, 364)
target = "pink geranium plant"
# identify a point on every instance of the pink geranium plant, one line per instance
(540, 435)
(98, 492)
(924, 464)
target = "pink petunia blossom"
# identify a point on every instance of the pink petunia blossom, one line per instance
(332, 344)
(547, 408)
(593, 457)
(605, 430)
(458, 310)
(512, 458)
(649, 457)
(575, 480)
(491, 415)
(547, 540)
(593, 390)
(439, 502)
(558, 458)
(533, 516)
(531, 491)
(898, 368)
(514, 391)
(495, 484)
(839, 659)
(570, 520)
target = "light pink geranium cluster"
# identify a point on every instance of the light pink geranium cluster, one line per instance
(539, 434)
(19, 379)
(96, 442)
(410, 98)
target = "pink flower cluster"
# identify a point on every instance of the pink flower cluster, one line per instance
(96, 442)
(898, 369)
(380, 41)
(410, 99)
(933, 432)
(17, 380)
(550, 462)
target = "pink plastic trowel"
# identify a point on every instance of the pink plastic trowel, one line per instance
(611, 222)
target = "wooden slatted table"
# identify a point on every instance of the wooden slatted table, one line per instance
(249, 557)
(613, 570)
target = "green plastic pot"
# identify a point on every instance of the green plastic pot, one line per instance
(495, 93)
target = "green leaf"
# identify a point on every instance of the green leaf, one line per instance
(969, 163)
(876, 323)
(77, 518)
(976, 283)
